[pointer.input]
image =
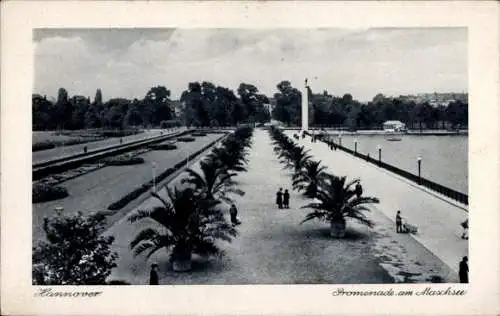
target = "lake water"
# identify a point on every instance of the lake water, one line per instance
(444, 158)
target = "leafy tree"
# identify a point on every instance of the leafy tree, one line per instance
(80, 107)
(115, 112)
(64, 109)
(288, 104)
(42, 113)
(157, 105)
(133, 116)
(193, 101)
(75, 252)
(253, 103)
(98, 97)
(457, 113)
(321, 109)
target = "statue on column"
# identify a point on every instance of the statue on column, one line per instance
(305, 82)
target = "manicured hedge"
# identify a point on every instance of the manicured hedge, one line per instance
(43, 192)
(123, 160)
(198, 134)
(163, 146)
(42, 146)
(68, 142)
(186, 139)
(111, 133)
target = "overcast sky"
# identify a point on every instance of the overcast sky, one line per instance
(363, 62)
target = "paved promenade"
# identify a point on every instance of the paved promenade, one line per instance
(63, 151)
(272, 248)
(438, 221)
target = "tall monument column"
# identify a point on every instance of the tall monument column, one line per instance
(305, 107)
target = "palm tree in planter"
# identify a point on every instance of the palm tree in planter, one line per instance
(335, 201)
(188, 226)
(233, 161)
(213, 182)
(309, 178)
(296, 158)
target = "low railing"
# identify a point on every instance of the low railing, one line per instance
(452, 194)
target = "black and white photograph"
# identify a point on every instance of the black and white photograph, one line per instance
(237, 156)
(173, 155)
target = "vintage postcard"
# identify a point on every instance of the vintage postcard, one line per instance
(250, 158)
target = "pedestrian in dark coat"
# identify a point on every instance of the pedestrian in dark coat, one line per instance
(463, 270)
(465, 225)
(279, 198)
(399, 223)
(233, 212)
(358, 190)
(153, 275)
(286, 199)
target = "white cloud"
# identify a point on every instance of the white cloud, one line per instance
(360, 62)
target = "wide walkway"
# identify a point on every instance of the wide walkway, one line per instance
(63, 151)
(438, 221)
(271, 248)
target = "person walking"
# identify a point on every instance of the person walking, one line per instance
(153, 275)
(399, 222)
(286, 199)
(463, 270)
(279, 198)
(465, 225)
(233, 212)
(358, 189)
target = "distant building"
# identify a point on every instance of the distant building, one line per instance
(394, 126)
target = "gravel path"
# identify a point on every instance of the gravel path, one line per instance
(272, 248)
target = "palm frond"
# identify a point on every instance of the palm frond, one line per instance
(145, 245)
(144, 235)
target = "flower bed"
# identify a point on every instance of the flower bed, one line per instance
(186, 139)
(198, 134)
(43, 192)
(123, 160)
(167, 146)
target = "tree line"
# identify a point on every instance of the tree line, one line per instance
(326, 110)
(204, 105)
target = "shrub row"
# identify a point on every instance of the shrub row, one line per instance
(167, 146)
(123, 160)
(118, 133)
(186, 139)
(198, 134)
(146, 186)
(43, 192)
(68, 142)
